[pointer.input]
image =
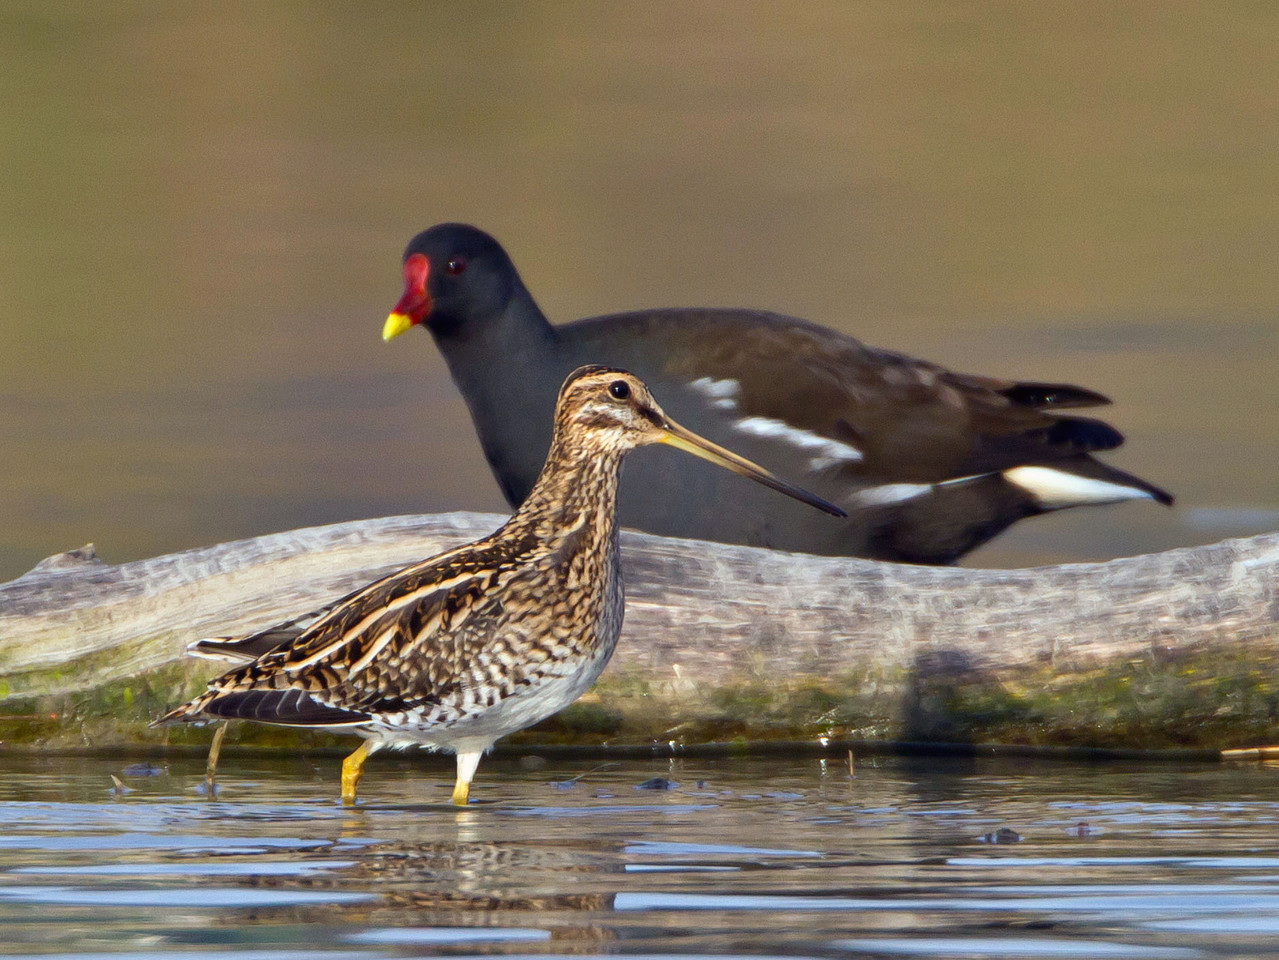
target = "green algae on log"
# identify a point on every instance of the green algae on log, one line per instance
(1170, 649)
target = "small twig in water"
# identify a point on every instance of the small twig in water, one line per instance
(581, 776)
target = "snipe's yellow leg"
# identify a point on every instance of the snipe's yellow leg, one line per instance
(352, 771)
(466, 763)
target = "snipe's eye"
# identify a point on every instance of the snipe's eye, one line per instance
(619, 389)
(456, 266)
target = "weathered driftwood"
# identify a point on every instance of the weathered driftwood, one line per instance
(1160, 649)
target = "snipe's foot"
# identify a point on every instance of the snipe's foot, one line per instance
(353, 772)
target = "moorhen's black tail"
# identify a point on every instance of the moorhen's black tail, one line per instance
(1054, 396)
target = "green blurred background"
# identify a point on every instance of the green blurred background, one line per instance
(204, 206)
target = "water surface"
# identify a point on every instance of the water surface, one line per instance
(751, 857)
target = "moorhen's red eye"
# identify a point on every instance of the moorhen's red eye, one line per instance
(455, 266)
(620, 389)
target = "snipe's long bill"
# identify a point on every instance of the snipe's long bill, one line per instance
(459, 650)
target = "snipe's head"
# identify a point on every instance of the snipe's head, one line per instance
(454, 275)
(603, 409)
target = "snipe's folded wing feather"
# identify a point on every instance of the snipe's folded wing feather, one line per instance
(293, 707)
(412, 606)
(389, 645)
(251, 646)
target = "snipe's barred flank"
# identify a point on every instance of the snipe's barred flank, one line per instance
(928, 463)
(461, 649)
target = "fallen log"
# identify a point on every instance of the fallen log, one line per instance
(720, 641)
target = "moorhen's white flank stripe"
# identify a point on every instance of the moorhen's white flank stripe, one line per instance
(831, 451)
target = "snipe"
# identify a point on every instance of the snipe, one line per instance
(928, 463)
(468, 646)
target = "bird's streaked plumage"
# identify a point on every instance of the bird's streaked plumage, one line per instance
(478, 642)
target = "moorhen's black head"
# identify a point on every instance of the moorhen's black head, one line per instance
(454, 275)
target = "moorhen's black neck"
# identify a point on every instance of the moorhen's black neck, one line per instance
(514, 351)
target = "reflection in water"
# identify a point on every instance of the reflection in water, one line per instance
(474, 876)
(756, 856)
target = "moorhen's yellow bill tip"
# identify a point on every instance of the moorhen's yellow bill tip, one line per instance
(395, 325)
